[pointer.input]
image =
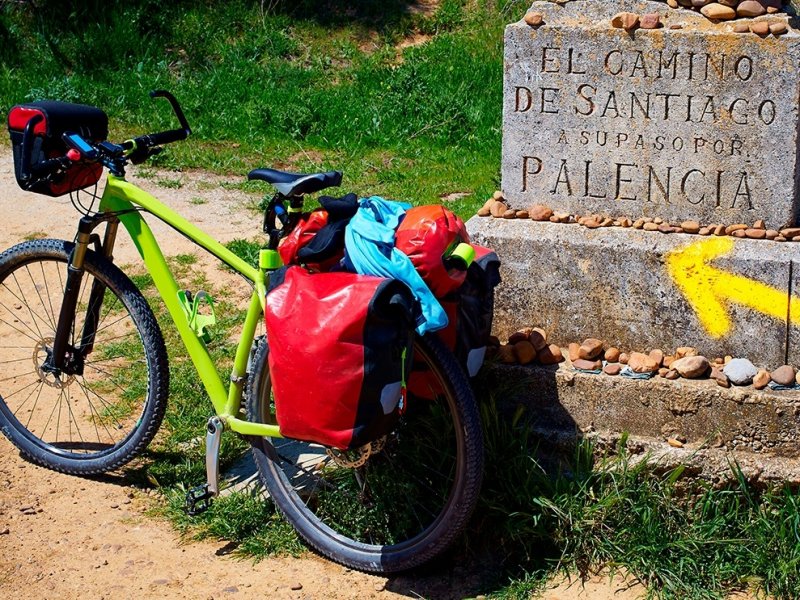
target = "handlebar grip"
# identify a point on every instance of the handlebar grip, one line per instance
(161, 138)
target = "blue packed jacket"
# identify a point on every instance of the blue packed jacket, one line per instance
(370, 250)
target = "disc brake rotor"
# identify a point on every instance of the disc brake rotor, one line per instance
(40, 354)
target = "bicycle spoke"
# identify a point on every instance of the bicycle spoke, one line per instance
(49, 297)
(27, 305)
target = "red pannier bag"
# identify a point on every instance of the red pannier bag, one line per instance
(52, 120)
(339, 354)
(428, 235)
(470, 310)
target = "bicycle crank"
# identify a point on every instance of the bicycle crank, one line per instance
(198, 499)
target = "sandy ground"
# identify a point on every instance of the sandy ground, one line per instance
(67, 537)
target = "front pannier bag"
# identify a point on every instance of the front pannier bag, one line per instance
(340, 348)
(46, 121)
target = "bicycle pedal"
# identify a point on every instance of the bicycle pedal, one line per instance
(198, 500)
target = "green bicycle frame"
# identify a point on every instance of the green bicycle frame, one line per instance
(122, 197)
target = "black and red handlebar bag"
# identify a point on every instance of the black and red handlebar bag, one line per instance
(51, 119)
(427, 235)
(340, 349)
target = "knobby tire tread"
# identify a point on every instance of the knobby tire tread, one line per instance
(455, 522)
(152, 342)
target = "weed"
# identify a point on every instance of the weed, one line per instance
(34, 235)
(197, 201)
(174, 184)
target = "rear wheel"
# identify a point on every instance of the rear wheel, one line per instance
(107, 403)
(397, 503)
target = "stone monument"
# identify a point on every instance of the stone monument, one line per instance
(694, 120)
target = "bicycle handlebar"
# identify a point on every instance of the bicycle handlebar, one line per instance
(151, 140)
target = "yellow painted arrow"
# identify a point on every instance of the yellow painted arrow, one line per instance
(709, 290)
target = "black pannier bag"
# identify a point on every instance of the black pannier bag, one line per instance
(340, 348)
(46, 121)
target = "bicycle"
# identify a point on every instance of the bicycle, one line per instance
(85, 381)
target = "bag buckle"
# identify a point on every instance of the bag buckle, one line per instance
(191, 308)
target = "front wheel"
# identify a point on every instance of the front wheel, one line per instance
(401, 501)
(106, 404)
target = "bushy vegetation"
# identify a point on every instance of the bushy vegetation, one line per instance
(300, 85)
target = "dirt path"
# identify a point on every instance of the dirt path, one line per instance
(66, 537)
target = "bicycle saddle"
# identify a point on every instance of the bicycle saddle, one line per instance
(297, 184)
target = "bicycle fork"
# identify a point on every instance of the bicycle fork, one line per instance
(65, 357)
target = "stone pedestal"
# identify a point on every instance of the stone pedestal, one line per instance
(692, 123)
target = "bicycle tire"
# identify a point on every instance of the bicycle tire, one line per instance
(320, 532)
(124, 419)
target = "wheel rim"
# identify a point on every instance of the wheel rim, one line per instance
(402, 492)
(76, 415)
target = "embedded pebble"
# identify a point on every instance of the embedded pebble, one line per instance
(740, 371)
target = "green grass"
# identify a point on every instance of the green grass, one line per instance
(300, 85)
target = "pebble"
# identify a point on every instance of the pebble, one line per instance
(625, 20)
(662, 372)
(642, 363)
(650, 227)
(690, 226)
(638, 224)
(550, 355)
(790, 232)
(650, 21)
(484, 212)
(5, 531)
(540, 212)
(761, 379)
(684, 351)
(704, 231)
(623, 358)
(691, 367)
(658, 356)
(587, 365)
(498, 195)
(718, 12)
(510, 214)
(524, 352)
(720, 377)
(665, 228)
(739, 233)
(612, 369)
(756, 234)
(498, 208)
(731, 228)
(675, 443)
(522, 214)
(297, 586)
(534, 19)
(612, 355)
(574, 351)
(740, 371)
(520, 336)
(771, 234)
(760, 27)
(759, 224)
(741, 28)
(380, 586)
(784, 375)
(668, 360)
(506, 354)
(590, 349)
(538, 338)
(778, 28)
(719, 230)
(797, 378)
(750, 8)
(672, 374)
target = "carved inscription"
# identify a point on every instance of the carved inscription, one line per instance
(626, 124)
